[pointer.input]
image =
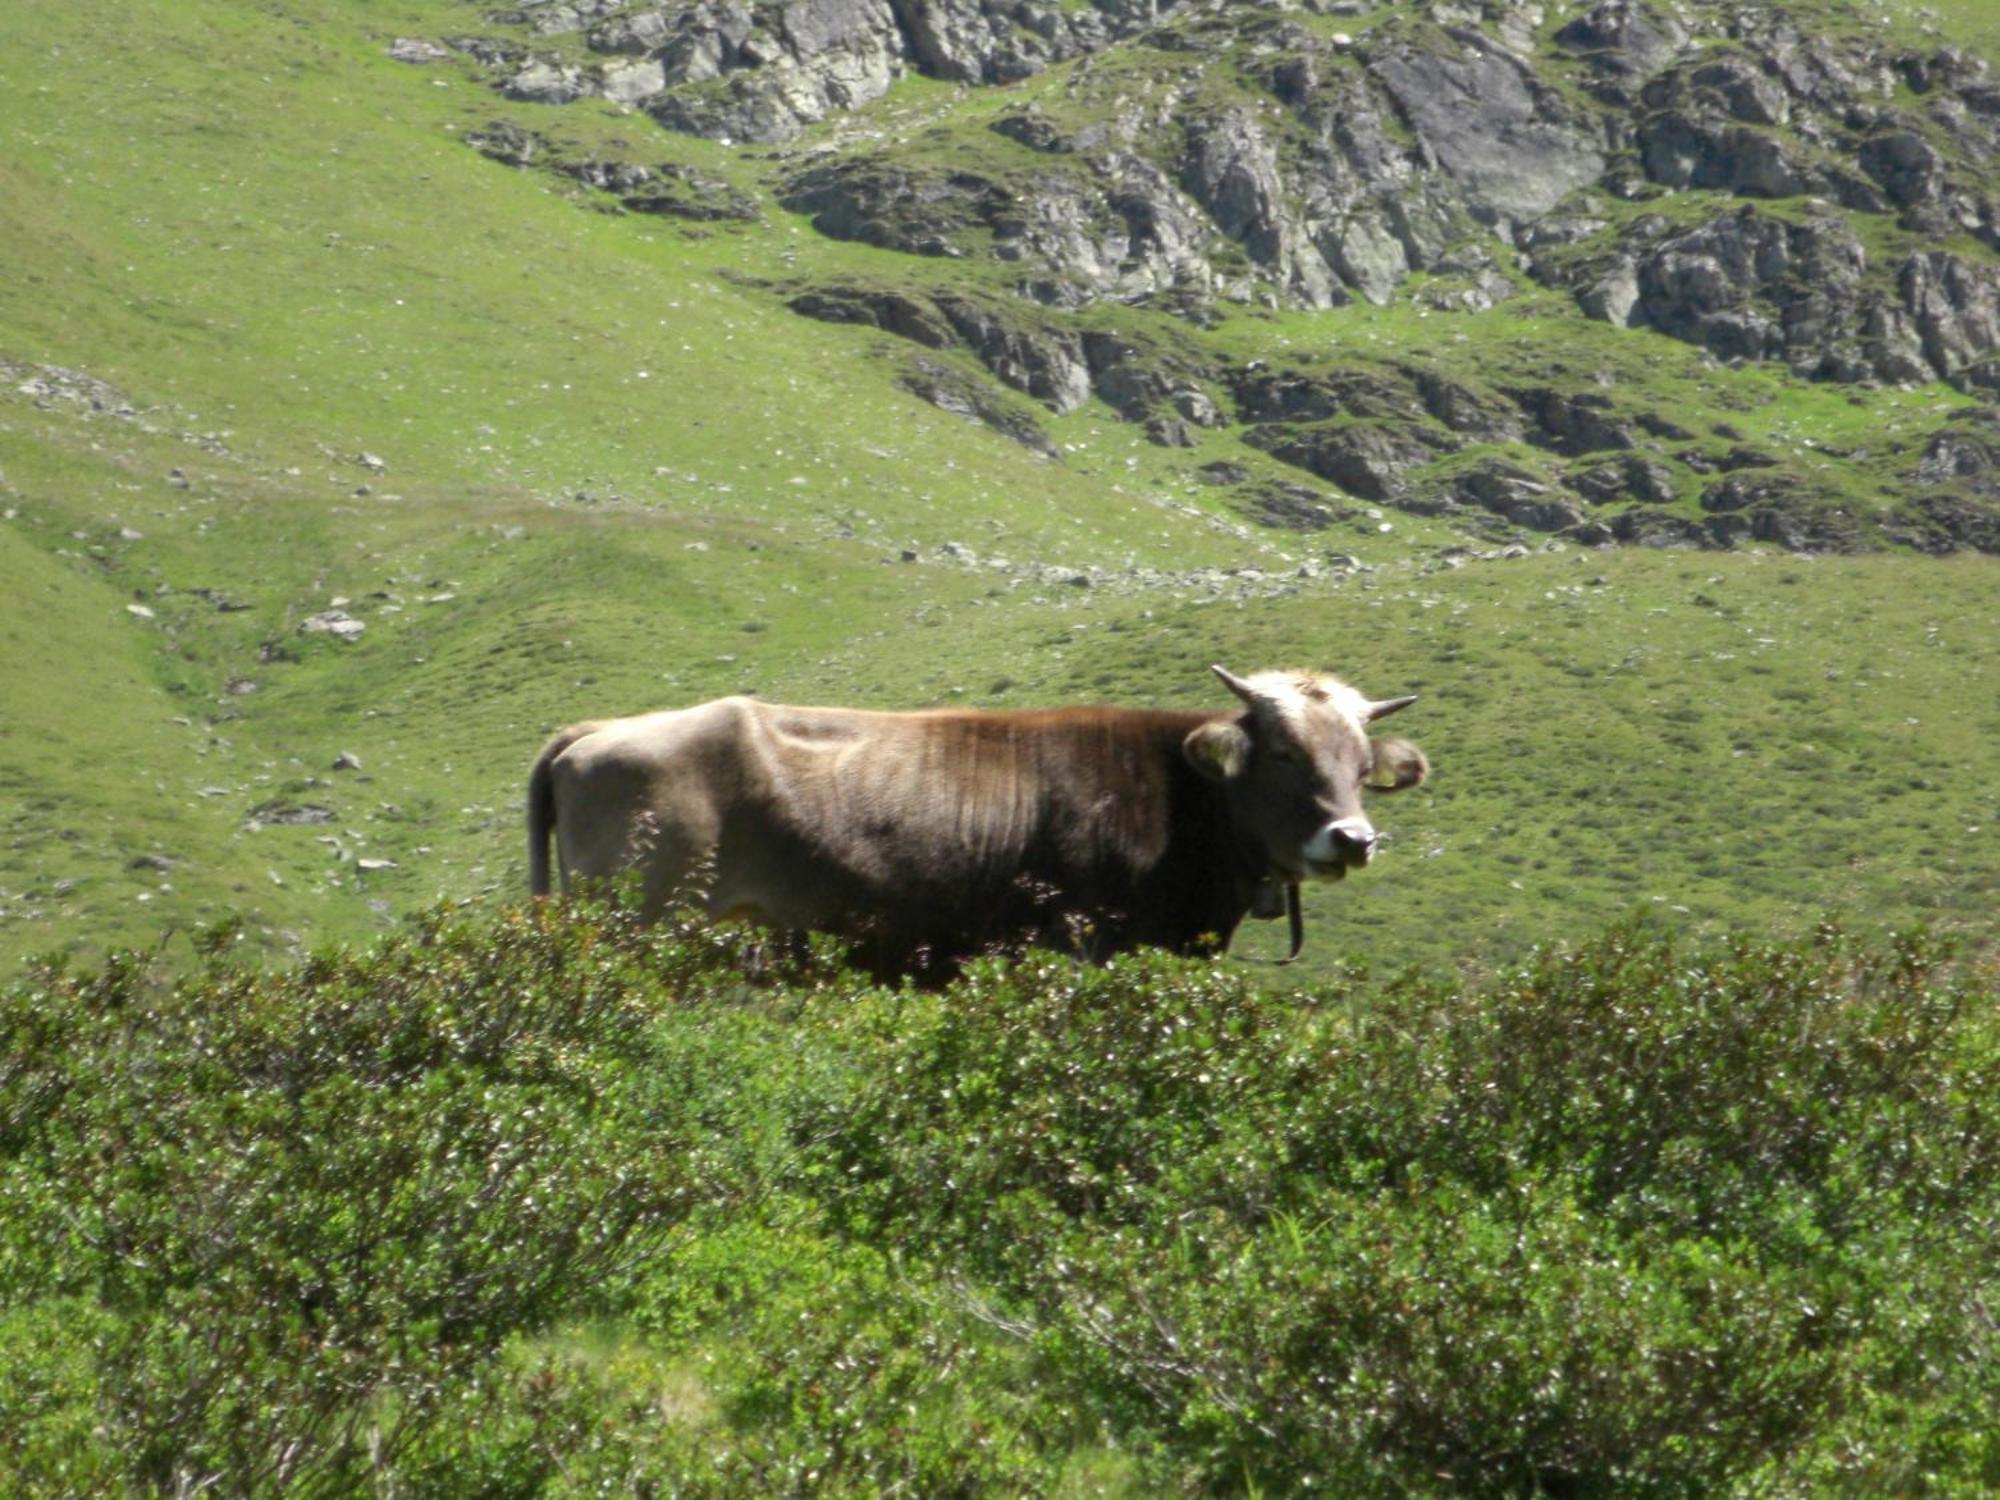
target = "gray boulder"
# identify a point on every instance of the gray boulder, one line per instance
(1952, 307)
(544, 82)
(1232, 169)
(1050, 366)
(893, 312)
(1959, 453)
(1517, 494)
(1622, 40)
(1510, 145)
(1631, 478)
(1573, 423)
(1369, 461)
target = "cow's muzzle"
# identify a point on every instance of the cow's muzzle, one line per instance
(1342, 845)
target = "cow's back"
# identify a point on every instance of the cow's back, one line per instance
(946, 829)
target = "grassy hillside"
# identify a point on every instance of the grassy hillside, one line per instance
(277, 343)
(1749, 744)
(341, 462)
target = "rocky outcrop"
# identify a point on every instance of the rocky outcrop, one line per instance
(763, 72)
(1950, 311)
(1941, 523)
(1290, 394)
(950, 389)
(1345, 163)
(1368, 460)
(507, 143)
(1050, 365)
(1779, 113)
(1796, 521)
(1112, 226)
(1503, 137)
(1004, 43)
(1753, 286)
(877, 201)
(1484, 418)
(1371, 430)
(1654, 526)
(757, 73)
(1059, 367)
(1584, 422)
(1750, 286)
(1622, 43)
(1517, 494)
(1232, 169)
(1630, 478)
(1968, 454)
(669, 188)
(1146, 199)
(1818, 198)
(1750, 490)
(1955, 505)
(892, 312)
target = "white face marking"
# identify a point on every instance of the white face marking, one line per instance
(1314, 709)
(1293, 696)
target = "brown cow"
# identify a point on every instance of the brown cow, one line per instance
(931, 835)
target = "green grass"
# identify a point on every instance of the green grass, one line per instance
(1729, 741)
(619, 474)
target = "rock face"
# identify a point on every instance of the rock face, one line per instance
(1502, 136)
(1331, 200)
(1952, 312)
(1821, 199)
(1955, 503)
(1749, 285)
(1777, 113)
(1518, 495)
(1033, 354)
(1337, 165)
(763, 72)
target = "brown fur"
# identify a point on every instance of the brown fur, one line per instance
(939, 833)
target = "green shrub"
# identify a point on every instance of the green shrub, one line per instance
(1627, 1220)
(314, 1202)
(546, 1203)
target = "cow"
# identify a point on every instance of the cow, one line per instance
(929, 836)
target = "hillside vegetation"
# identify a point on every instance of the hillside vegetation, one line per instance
(383, 386)
(539, 1204)
(381, 412)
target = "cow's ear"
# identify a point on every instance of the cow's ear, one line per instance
(1219, 749)
(1395, 764)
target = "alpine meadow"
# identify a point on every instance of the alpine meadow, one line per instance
(387, 384)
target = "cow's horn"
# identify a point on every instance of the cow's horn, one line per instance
(1389, 706)
(1236, 685)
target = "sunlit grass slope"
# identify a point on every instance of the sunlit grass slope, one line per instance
(560, 463)
(365, 364)
(1727, 740)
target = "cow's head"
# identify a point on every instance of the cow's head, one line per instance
(1295, 765)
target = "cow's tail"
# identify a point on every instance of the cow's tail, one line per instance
(542, 806)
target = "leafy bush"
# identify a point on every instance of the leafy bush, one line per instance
(545, 1203)
(1624, 1221)
(312, 1203)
